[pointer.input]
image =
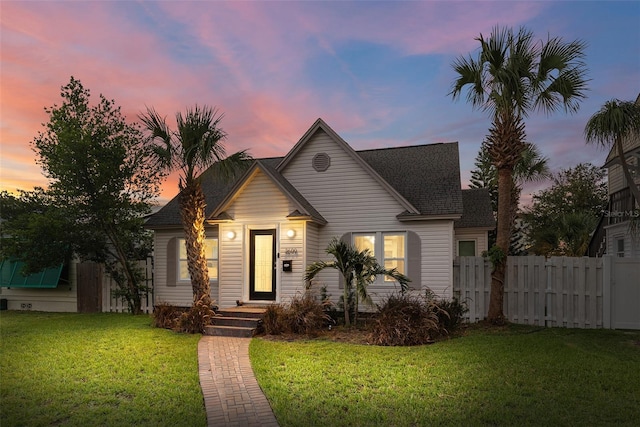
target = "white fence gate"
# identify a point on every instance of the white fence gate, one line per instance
(559, 291)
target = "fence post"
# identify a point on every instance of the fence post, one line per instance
(606, 291)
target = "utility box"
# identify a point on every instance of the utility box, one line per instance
(287, 265)
(3, 304)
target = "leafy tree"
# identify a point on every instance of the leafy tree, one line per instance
(195, 145)
(356, 267)
(532, 166)
(610, 126)
(29, 219)
(101, 184)
(511, 76)
(562, 217)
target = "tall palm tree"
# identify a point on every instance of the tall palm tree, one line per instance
(610, 126)
(354, 266)
(512, 75)
(195, 145)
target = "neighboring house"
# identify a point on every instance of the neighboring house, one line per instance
(265, 226)
(53, 289)
(614, 235)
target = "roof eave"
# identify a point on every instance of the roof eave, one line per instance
(419, 217)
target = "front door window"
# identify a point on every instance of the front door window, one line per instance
(262, 269)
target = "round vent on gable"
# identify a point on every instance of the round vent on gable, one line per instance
(321, 162)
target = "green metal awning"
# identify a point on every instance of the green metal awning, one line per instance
(11, 276)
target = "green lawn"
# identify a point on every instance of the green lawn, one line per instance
(513, 377)
(103, 369)
(117, 370)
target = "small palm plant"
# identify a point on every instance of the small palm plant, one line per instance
(359, 267)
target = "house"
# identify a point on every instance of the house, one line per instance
(614, 235)
(266, 225)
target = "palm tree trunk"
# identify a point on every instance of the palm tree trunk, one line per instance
(192, 211)
(503, 231)
(345, 297)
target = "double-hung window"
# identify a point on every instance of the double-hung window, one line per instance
(389, 248)
(211, 251)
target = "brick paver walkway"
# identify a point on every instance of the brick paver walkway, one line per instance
(232, 396)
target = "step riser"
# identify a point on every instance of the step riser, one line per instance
(229, 332)
(235, 321)
(243, 314)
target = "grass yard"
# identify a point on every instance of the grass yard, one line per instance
(515, 376)
(96, 369)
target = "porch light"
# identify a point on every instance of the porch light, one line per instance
(231, 234)
(291, 233)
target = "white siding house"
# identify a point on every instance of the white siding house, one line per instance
(278, 217)
(615, 235)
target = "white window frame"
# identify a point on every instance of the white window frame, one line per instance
(181, 244)
(475, 246)
(379, 250)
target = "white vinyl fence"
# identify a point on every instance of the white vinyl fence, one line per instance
(559, 291)
(111, 304)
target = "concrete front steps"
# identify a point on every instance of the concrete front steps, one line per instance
(236, 322)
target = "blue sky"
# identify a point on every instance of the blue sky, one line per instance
(378, 73)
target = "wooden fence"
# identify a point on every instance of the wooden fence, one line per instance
(559, 291)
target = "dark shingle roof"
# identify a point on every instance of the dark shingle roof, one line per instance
(427, 176)
(477, 209)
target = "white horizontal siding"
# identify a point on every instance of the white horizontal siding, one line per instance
(351, 200)
(479, 236)
(178, 292)
(260, 205)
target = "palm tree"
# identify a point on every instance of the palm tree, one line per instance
(531, 167)
(195, 145)
(353, 265)
(511, 76)
(610, 126)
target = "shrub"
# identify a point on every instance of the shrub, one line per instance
(196, 318)
(166, 316)
(272, 321)
(450, 314)
(403, 320)
(303, 315)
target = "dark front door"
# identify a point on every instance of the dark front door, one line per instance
(262, 265)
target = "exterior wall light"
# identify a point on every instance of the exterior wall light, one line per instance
(291, 233)
(231, 234)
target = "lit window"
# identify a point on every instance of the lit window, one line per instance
(388, 248)
(394, 253)
(467, 248)
(365, 241)
(211, 251)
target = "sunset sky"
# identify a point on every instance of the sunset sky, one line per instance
(378, 73)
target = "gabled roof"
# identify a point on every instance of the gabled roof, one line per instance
(321, 125)
(425, 179)
(303, 207)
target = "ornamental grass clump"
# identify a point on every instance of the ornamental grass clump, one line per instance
(404, 320)
(303, 315)
(166, 316)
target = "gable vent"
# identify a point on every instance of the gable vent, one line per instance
(321, 162)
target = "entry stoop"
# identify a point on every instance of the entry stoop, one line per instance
(236, 322)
